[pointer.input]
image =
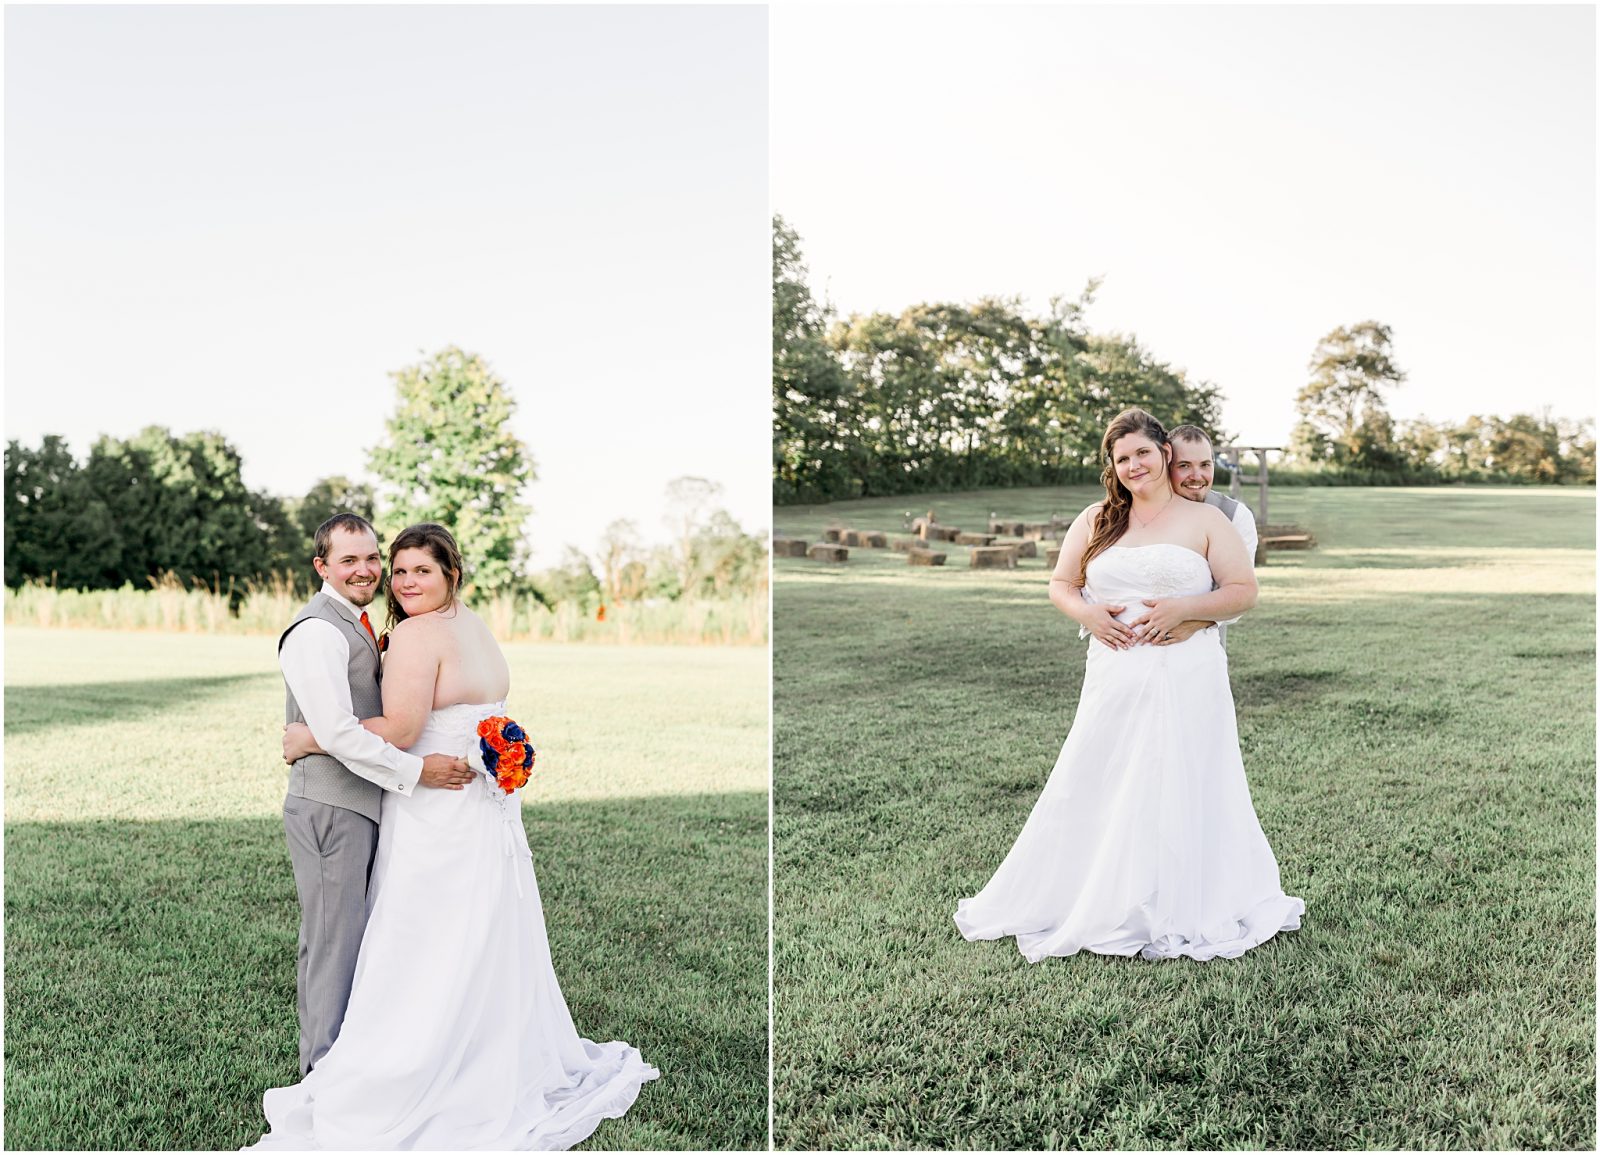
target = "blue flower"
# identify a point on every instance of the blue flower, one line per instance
(514, 732)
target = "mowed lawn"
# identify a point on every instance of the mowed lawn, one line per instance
(151, 914)
(1416, 709)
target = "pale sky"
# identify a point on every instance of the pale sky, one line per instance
(1244, 178)
(242, 218)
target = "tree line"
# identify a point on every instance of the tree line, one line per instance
(1345, 428)
(161, 504)
(960, 396)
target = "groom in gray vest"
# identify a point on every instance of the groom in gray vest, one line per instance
(1192, 472)
(331, 669)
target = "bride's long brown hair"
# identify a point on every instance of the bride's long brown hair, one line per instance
(1112, 520)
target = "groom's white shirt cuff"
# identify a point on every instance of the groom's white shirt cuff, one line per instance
(316, 661)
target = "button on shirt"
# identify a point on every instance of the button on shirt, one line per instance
(315, 659)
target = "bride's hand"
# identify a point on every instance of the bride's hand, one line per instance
(1161, 621)
(1103, 625)
(298, 742)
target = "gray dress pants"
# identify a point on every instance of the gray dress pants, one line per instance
(331, 849)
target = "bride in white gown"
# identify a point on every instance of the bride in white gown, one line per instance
(1144, 840)
(457, 1035)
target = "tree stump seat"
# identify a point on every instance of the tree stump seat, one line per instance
(1024, 547)
(1288, 537)
(993, 557)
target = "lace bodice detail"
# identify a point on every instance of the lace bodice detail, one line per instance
(1127, 574)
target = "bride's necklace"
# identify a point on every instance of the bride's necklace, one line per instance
(1147, 524)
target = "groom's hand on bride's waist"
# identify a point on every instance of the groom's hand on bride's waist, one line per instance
(1181, 632)
(444, 772)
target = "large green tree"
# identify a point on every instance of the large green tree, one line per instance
(949, 395)
(808, 383)
(450, 457)
(331, 495)
(181, 507)
(56, 526)
(1343, 414)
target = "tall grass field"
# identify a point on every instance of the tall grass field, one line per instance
(171, 607)
(1416, 711)
(151, 915)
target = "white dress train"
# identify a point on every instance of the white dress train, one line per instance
(1144, 840)
(457, 1035)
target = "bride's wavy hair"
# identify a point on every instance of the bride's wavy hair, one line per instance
(436, 539)
(1112, 520)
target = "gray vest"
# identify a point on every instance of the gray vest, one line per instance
(1226, 504)
(318, 776)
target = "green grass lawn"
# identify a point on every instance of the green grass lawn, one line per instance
(151, 913)
(1416, 710)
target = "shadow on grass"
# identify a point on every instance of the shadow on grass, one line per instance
(150, 971)
(30, 708)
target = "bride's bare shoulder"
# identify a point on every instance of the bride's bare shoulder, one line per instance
(421, 630)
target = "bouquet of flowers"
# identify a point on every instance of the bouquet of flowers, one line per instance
(507, 752)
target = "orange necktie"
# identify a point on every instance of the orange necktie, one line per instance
(368, 624)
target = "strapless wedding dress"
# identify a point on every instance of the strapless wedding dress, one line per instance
(1144, 840)
(457, 1035)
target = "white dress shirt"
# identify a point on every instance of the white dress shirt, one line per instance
(315, 658)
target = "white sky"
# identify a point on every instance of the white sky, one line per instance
(1245, 178)
(242, 218)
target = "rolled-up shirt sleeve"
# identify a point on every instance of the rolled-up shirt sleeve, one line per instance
(315, 657)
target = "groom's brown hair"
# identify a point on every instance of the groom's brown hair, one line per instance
(349, 522)
(1188, 433)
